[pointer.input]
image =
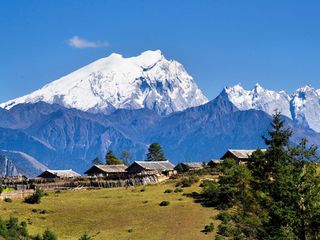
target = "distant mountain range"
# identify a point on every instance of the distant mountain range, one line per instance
(126, 103)
(303, 106)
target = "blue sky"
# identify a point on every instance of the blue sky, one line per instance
(220, 42)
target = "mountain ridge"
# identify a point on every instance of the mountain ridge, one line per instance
(145, 81)
(302, 106)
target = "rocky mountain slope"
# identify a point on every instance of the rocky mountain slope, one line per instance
(69, 138)
(7, 168)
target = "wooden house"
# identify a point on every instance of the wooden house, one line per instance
(50, 174)
(188, 166)
(107, 171)
(152, 168)
(240, 156)
(214, 163)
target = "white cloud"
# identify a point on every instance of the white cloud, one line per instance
(78, 42)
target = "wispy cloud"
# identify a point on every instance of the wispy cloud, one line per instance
(78, 42)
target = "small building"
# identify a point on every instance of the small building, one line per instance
(107, 171)
(188, 166)
(59, 174)
(152, 168)
(214, 163)
(240, 156)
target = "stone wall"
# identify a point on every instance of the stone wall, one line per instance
(18, 194)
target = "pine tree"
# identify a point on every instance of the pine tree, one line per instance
(111, 159)
(155, 153)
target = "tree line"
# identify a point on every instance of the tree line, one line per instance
(274, 196)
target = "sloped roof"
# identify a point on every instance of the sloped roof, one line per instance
(112, 168)
(244, 154)
(64, 173)
(193, 164)
(155, 165)
(216, 161)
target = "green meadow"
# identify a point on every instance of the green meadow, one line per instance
(116, 213)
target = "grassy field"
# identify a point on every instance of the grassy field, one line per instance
(116, 214)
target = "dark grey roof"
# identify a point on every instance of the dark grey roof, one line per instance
(216, 161)
(112, 168)
(155, 165)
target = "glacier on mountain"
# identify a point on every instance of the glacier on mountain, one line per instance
(146, 81)
(303, 106)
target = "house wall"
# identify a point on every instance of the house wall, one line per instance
(135, 168)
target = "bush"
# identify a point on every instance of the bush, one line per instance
(9, 200)
(168, 191)
(85, 237)
(224, 230)
(219, 237)
(225, 217)
(187, 182)
(12, 229)
(48, 235)
(218, 196)
(208, 228)
(178, 190)
(164, 203)
(35, 198)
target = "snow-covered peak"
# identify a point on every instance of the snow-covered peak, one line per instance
(259, 98)
(303, 106)
(145, 81)
(306, 107)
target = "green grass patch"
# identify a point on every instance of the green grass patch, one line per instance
(116, 213)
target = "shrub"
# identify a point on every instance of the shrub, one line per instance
(49, 235)
(188, 181)
(224, 230)
(35, 197)
(11, 229)
(178, 190)
(225, 217)
(164, 203)
(130, 230)
(219, 237)
(43, 211)
(168, 191)
(208, 228)
(9, 200)
(85, 237)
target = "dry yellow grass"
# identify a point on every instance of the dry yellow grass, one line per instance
(116, 214)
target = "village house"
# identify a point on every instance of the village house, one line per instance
(50, 174)
(188, 166)
(152, 168)
(108, 171)
(214, 163)
(240, 156)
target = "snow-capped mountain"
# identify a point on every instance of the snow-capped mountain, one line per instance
(146, 81)
(303, 106)
(258, 98)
